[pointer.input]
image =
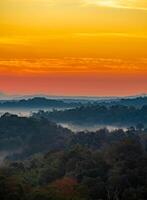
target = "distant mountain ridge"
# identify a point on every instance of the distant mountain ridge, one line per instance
(44, 102)
(37, 102)
(6, 97)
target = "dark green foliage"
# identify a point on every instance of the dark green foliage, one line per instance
(55, 164)
(27, 136)
(117, 171)
(98, 114)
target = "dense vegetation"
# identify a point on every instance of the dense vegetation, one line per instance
(55, 164)
(137, 102)
(26, 136)
(98, 114)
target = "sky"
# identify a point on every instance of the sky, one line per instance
(73, 47)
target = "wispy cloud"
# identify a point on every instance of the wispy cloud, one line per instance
(71, 65)
(112, 34)
(123, 4)
(33, 39)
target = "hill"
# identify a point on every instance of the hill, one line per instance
(37, 102)
(98, 114)
(55, 164)
(26, 136)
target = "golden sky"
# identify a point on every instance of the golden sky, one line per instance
(73, 47)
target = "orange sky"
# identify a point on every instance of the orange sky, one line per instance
(73, 47)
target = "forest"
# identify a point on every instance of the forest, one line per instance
(44, 161)
(120, 115)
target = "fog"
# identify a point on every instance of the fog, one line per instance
(26, 112)
(78, 128)
(4, 154)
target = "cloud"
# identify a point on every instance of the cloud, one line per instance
(124, 4)
(71, 65)
(111, 34)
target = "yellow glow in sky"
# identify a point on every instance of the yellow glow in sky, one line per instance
(73, 28)
(130, 4)
(81, 36)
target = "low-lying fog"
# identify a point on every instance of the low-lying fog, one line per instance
(78, 128)
(74, 127)
(5, 154)
(25, 112)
